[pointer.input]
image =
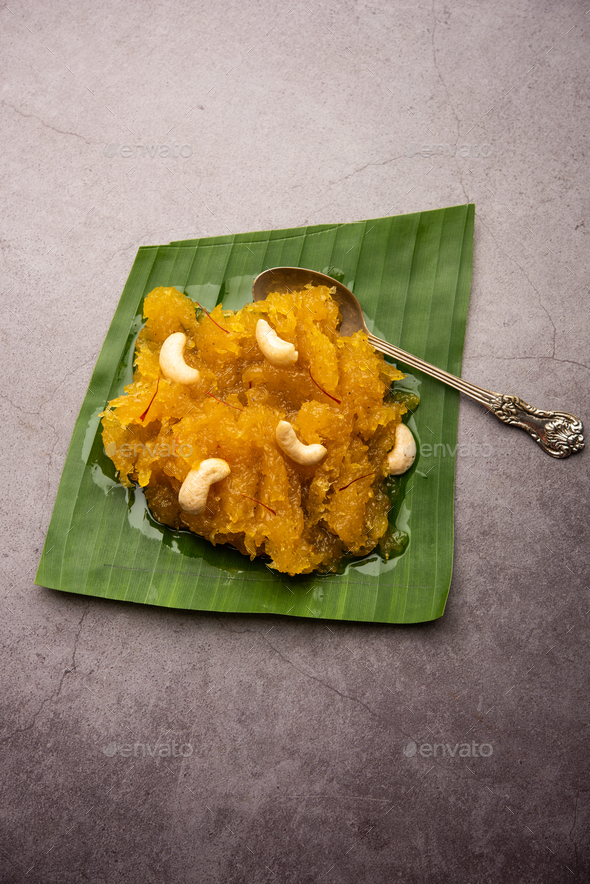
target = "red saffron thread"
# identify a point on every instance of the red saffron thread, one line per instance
(261, 504)
(226, 330)
(222, 402)
(143, 416)
(357, 479)
(322, 389)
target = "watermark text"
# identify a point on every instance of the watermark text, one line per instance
(448, 150)
(149, 750)
(445, 750)
(155, 449)
(468, 449)
(137, 151)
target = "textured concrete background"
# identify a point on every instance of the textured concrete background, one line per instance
(288, 757)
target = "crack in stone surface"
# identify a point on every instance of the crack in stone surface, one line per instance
(515, 358)
(307, 674)
(438, 71)
(69, 374)
(526, 276)
(18, 408)
(571, 831)
(46, 125)
(55, 693)
(328, 686)
(74, 649)
(315, 212)
(366, 166)
(445, 87)
(27, 727)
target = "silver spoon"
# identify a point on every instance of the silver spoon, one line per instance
(557, 432)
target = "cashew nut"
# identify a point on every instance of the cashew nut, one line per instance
(402, 455)
(277, 351)
(172, 360)
(303, 454)
(194, 490)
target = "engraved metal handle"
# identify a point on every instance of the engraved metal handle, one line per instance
(557, 432)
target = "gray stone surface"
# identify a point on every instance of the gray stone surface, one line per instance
(292, 734)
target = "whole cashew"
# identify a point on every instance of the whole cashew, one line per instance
(194, 490)
(277, 351)
(402, 455)
(172, 360)
(303, 454)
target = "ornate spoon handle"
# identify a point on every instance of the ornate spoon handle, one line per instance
(557, 432)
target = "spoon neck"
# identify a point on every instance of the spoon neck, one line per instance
(481, 395)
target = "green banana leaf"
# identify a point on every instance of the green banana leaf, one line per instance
(412, 275)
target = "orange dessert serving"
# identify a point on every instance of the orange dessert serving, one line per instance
(261, 428)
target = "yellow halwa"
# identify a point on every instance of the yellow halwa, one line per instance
(305, 518)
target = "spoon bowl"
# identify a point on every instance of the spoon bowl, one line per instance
(557, 432)
(293, 279)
